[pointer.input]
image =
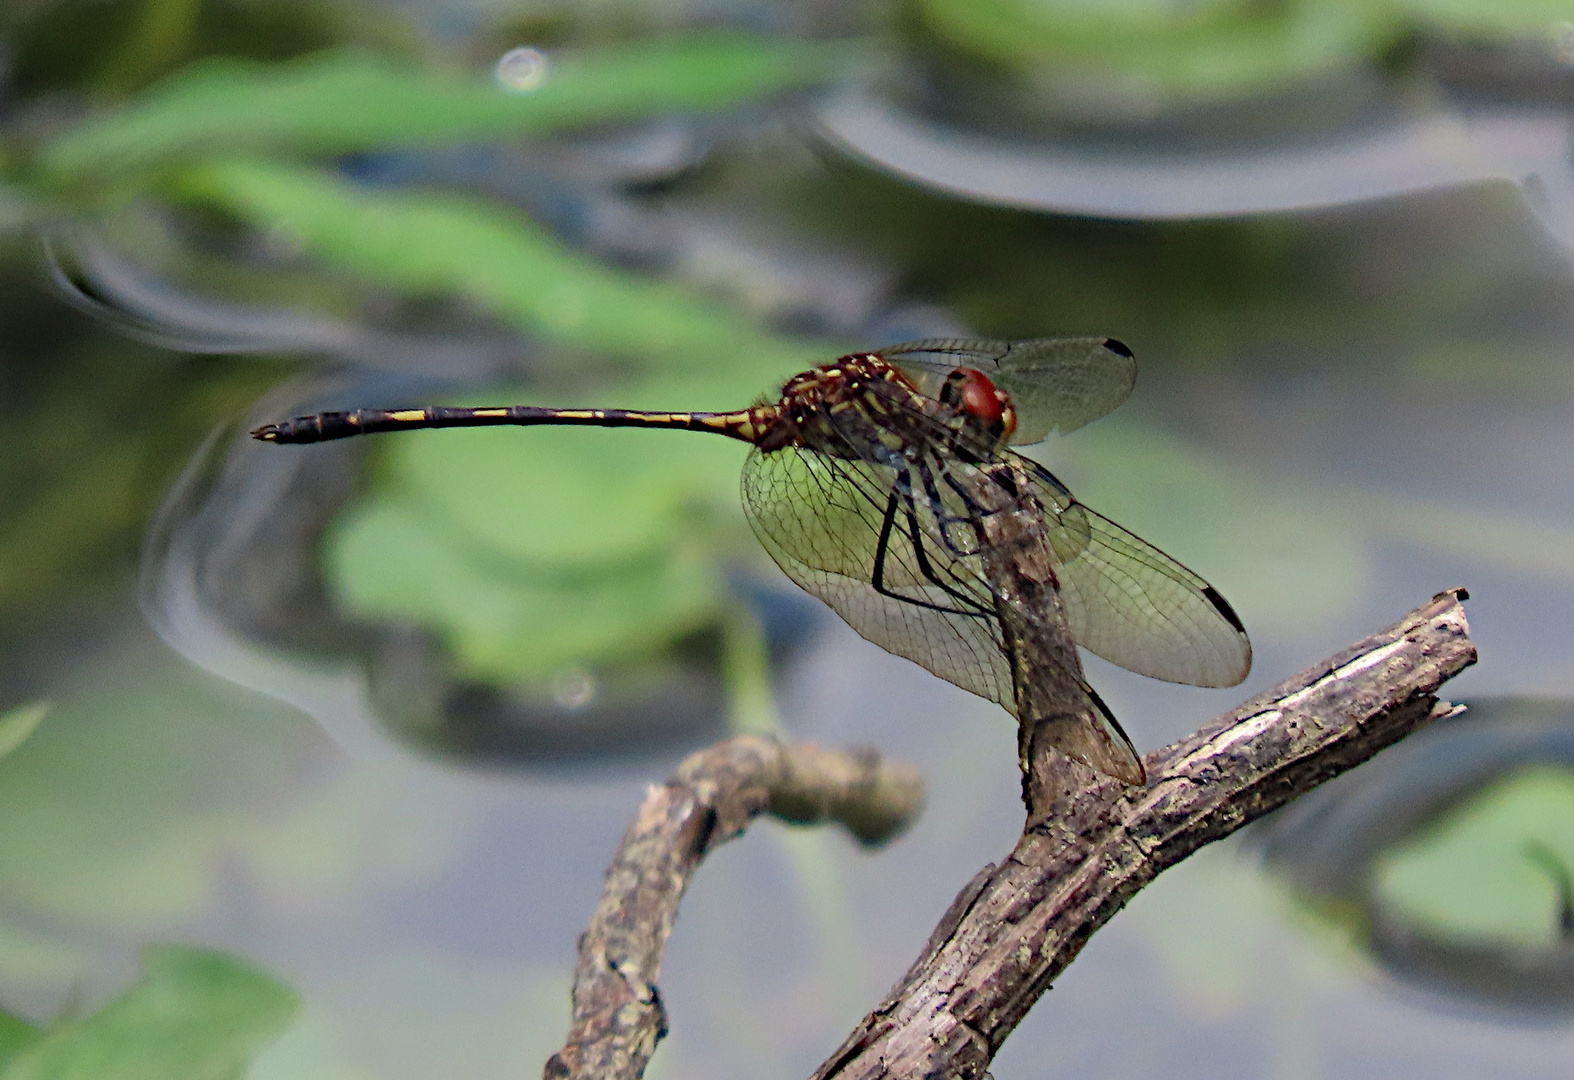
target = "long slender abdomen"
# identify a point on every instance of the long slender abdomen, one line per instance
(323, 427)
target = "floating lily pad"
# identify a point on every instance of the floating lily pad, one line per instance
(1495, 21)
(1476, 875)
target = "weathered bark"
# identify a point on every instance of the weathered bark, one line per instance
(618, 1016)
(1088, 846)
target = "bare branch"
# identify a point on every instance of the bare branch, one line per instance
(618, 1016)
(1090, 844)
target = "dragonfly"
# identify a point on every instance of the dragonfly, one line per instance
(886, 484)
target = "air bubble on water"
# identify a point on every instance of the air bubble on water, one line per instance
(522, 69)
(573, 688)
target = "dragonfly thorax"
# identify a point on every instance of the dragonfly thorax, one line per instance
(864, 407)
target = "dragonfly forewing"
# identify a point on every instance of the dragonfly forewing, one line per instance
(938, 562)
(879, 563)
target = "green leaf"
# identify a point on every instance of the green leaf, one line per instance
(196, 1015)
(529, 551)
(504, 263)
(1151, 51)
(1469, 876)
(16, 1035)
(342, 101)
(19, 723)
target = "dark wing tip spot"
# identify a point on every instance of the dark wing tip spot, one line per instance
(1118, 348)
(1222, 606)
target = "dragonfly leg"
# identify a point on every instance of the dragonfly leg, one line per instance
(970, 607)
(944, 519)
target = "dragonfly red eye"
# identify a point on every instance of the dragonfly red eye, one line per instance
(981, 400)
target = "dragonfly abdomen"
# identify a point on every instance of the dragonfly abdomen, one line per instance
(744, 424)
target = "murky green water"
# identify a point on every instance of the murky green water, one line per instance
(372, 717)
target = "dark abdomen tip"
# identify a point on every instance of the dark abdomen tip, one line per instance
(310, 429)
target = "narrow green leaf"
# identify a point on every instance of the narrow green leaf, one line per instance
(19, 723)
(499, 260)
(342, 101)
(196, 1015)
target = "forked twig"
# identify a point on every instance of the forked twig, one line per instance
(618, 1016)
(1089, 845)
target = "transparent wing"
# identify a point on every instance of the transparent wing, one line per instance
(1135, 606)
(885, 552)
(821, 519)
(1057, 384)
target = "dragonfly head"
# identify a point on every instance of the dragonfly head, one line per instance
(972, 392)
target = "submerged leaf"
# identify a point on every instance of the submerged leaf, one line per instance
(569, 499)
(506, 621)
(342, 101)
(495, 258)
